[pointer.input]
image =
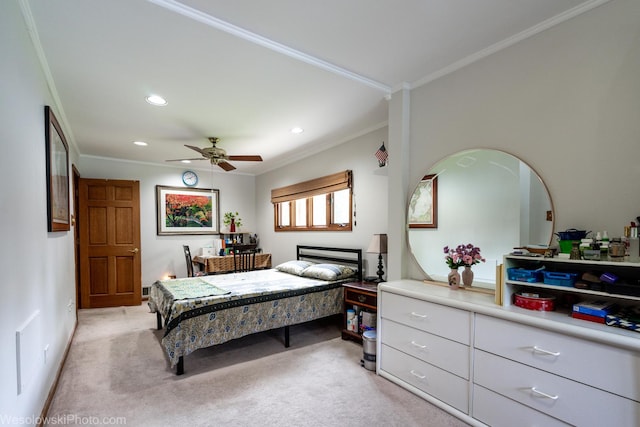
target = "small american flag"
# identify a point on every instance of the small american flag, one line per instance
(382, 155)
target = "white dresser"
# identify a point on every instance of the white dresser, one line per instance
(493, 365)
(427, 345)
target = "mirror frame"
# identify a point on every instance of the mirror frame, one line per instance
(430, 257)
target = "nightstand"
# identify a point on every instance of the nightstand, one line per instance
(364, 295)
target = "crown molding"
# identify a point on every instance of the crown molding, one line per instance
(551, 22)
(234, 30)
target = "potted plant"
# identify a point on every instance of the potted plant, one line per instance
(232, 220)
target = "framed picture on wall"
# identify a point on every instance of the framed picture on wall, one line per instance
(187, 210)
(57, 152)
(423, 206)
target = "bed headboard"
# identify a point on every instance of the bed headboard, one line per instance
(350, 257)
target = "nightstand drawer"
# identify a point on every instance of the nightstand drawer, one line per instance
(358, 297)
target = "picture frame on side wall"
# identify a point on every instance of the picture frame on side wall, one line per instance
(423, 206)
(182, 211)
(57, 170)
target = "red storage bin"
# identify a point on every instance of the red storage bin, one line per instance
(532, 301)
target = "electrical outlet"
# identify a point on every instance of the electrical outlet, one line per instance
(70, 305)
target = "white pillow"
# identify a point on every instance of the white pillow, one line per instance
(294, 267)
(329, 272)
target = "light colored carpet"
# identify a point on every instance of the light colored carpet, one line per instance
(117, 368)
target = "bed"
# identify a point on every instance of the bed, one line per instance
(199, 312)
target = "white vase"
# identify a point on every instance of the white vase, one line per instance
(454, 278)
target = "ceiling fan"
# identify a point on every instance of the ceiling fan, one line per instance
(218, 156)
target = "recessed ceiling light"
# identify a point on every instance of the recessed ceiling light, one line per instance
(156, 100)
(141, 143)
(297, 130)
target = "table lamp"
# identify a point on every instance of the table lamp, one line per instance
(378, 246)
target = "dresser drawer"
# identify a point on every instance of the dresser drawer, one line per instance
(498, 411)
(567, 400)
(447, 322)
(441, 352)
(608, 368)
(436, 382)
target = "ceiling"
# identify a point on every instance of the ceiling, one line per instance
(248, 71)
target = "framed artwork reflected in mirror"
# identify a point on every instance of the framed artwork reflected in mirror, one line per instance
(423, 206)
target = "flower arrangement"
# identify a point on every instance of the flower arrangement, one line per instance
(462, 256)
(234, 217)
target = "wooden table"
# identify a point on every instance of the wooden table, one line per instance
(224, 264)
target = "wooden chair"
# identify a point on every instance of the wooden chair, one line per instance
(244, 260)
(189, 260)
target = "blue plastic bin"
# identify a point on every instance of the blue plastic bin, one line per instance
(559, 279)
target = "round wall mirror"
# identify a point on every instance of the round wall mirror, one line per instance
(488, 198)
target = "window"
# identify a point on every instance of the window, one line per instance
(322, 204)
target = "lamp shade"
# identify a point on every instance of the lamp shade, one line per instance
(378, 244)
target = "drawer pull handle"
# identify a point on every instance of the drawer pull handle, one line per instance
(542, 350)
(362, 298)
(548, 396)
(415, 374)
(422, 316)
(415, 344)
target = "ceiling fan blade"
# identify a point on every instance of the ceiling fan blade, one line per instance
(246, 158)
(181, 160)
(198, 149)
(226, 166)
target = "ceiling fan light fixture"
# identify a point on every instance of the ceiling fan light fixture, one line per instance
(218, 156)
(297, 130)
(156, 100)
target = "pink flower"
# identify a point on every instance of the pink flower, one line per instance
(462, 255)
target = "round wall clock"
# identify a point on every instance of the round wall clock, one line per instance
(189, 178)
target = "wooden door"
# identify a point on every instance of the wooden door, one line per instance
(110, 271)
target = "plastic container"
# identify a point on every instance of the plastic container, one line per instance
(524, 275)
(537, 302)
(559, 279)
(351, 321)
(566, 245)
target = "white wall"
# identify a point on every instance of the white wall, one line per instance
(566, 101)
(37, 266)
(370, 196)
(162, 255)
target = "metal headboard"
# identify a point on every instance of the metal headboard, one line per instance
(351, 257)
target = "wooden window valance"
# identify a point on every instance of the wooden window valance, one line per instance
(326, 184)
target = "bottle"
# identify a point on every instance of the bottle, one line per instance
(356, 319)
(604, 245)
(634, 244)
(351, 314)
(625, 239)
(575, 250)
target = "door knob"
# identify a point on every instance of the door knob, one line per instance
(134, 250)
